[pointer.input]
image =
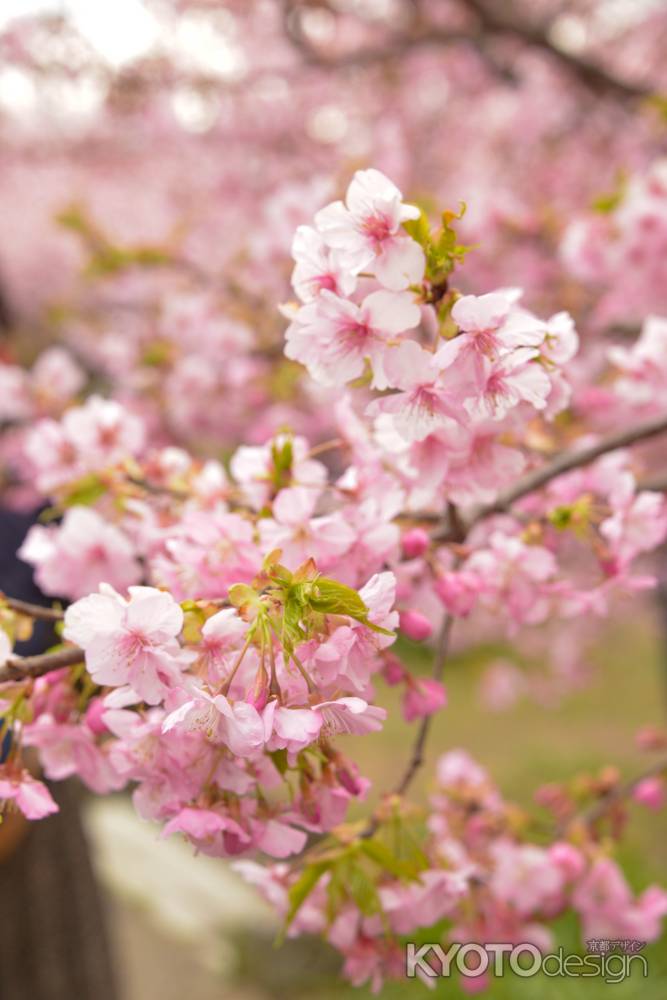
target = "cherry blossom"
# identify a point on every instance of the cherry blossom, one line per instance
(84, 551)
(130, 641)
(366, 231)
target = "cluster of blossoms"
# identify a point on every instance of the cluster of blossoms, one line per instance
(233, 746)
(476, 876)
(230, 621)
(467, 373)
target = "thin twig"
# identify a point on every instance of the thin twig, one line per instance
(417, 756)
(457, 530)
(32, 610)
(494, 20)
(567, 461)
(574, 459)
(18, 668)
(653, 484)
(500, 19)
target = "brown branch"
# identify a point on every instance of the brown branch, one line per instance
(499, 19)
(420, 35)
(654, 484)
(32, 610)
(18, 668)
(575, 458)
(494, 19)
(457, 530)
(157, 489)
(417, 756)
(567, 461)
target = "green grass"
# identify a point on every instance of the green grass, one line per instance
(522, 748)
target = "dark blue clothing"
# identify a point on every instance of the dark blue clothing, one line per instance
(16, 577)
(53, 942)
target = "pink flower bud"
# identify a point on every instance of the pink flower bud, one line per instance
(415, 625)
(414, 543)
(347, 775)
(458, 592)
(392, 670)
(258, 694)
(650, 792)
(94, 713)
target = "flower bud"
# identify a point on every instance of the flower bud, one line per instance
(414, 543)
(650, 792)
(392, 670)
(94, 712)
(415, 625)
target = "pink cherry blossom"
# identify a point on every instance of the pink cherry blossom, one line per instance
(209, 830)
(290, 728)
(71, 560)
(414, 543)
(299, 535)
(425, 403)
(609, 910)
(67, 749)
(131, 641)
(350, 715)
(651, 792)
(333, 337)
(515, 378)
(222, 635)
(367, 231)
(235, 724)
(32, 797)
(254, 469)
(317, 267)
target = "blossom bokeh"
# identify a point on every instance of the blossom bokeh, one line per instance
(333, 392)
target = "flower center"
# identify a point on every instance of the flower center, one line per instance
(377, 228)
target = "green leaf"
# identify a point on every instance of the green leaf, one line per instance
(279, 758)
(282, 457)
(300, 890)
(609, 201)
(333, 598)
(336, 894)
(362, 889)
(85, 491)
(240, 594)
(419, 229)
(382, 856)
(157, 354)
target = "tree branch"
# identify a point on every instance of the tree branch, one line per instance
(18, 668)
(567, 461)
(574, 459)
(420, 35)
(494, 20)
(457, 530)
(417, 756)
(654, 484)
(32, 610)
(499, 19)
